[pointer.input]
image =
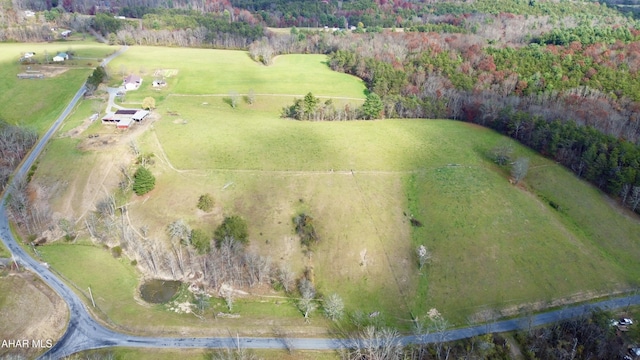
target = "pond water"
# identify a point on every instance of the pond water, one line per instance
(159, 291)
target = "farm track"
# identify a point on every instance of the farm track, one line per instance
(84, 332)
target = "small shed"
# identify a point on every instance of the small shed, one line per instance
(140, 115)
(61, 57)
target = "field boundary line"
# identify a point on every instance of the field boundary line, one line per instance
(274, 95)
(374, 224)
(165, 158)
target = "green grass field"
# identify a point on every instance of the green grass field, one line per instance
(205, 71)
(4, 252)
(495, 246)
(37, 103)
(114, 284)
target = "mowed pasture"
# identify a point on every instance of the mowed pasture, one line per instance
(36, 103)
(219, 72)
(114, 285)
(496, 247)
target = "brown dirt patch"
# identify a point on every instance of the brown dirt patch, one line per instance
(29, 310)
(53, 71)
(46, 70)
(112, 148)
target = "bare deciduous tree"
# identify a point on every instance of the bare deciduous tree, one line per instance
(133, 145)
(519, 169)
(372, 343)
(286, 278)
(634, 200)
(308, 293)
(502, 153)
(251, 97)
(234, 98)
(334, 307)
(106, 207)
(68, 227)
(424, 255)
(238, 353)
(228, 299)
(201, 302)
(179, 230)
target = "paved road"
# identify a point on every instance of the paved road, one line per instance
(85, 333)
(33, 155)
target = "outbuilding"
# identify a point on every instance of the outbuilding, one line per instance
(132, 82)
(61, 57)
(124, 123)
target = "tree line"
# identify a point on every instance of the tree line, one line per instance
(179, 28)
(570, 103)
(594, 132)
(15, 143)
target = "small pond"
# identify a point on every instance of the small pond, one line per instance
(159, 291)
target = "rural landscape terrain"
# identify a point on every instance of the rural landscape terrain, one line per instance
(355, 170)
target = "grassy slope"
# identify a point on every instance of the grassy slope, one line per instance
(205, 71)
(494, 245)
(114, 284)
(37, 103)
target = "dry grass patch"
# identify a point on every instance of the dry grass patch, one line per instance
(29, 310)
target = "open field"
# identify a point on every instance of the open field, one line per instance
(114, 285)
(36, 103)
(496, 247)
(224, 71)
(29, 310)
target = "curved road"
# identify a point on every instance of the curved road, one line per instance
(84, 333)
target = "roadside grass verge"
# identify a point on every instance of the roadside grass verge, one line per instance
(114, 285)
(55, 165)
(121, 353)
(113, 282)
(82, 112)
(4, 252)
(37, 103)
